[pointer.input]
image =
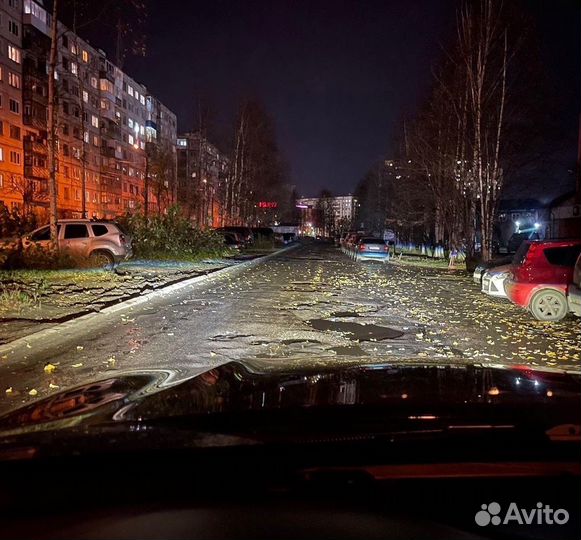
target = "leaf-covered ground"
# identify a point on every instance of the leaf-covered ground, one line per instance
(309, 307)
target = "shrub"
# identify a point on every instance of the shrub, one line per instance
(15, 222)
(171, 236)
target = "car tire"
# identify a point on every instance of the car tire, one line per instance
(102, 258)
(549, 305)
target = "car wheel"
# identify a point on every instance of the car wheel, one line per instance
(549, 305)
(102, 258)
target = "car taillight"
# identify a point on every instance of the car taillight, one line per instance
(362, 247)
(122, 238)
(385, 248)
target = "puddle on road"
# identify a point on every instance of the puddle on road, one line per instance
(356, 331)
(339, 314)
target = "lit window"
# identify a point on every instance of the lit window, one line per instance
(14, 54)
(85, 56)
(85, 96)
(86, 136)
(130, 90)
(131, 139)
(94, 83)
(142, 145)
(2, 155)
(130, 122)
(95, 140)
(94, 121)
(13, 80)
(142, 99)
(74, 68)
(136, 94)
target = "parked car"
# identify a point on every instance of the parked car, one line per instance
(518, 238)
(102, 241)
(232, 240)
(493, 280)
(262, 232)
(540, 276)
(244, 232)
(350, 243)
(574, 292)
(343, 238)
(371, 248)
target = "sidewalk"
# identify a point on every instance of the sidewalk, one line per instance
(37, 299)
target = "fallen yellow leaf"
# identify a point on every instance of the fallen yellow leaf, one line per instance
(49, 368)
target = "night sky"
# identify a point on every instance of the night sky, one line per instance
(336, 76)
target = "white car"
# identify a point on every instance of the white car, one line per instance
(493, 280)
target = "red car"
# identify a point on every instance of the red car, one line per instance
(540, 275)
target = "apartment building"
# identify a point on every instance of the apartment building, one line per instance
(13, 188)
(323, 215)
(202, 173)
(109, 126)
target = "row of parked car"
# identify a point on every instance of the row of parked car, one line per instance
(238, 237)
(106, 243)
(359, 247)
(544, 277)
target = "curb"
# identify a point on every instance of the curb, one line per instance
(27, 341)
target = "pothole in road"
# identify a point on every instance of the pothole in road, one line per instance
(356, 331)
(295, 341)
(225, 337)
(340, 314)
(348, 350)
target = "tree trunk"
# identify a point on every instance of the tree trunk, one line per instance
(52, 129)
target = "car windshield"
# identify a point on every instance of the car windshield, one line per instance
(215, 215)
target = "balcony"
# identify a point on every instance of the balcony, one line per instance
(105, 74)
(111, 131)
(108, 151)
(36, 173)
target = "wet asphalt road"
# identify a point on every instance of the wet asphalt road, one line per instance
(309, 306)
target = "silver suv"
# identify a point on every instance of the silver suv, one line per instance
(102, 241)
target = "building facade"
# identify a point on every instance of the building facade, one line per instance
(202, 176)
(323, 216)
(111, 131)
(13, 190)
